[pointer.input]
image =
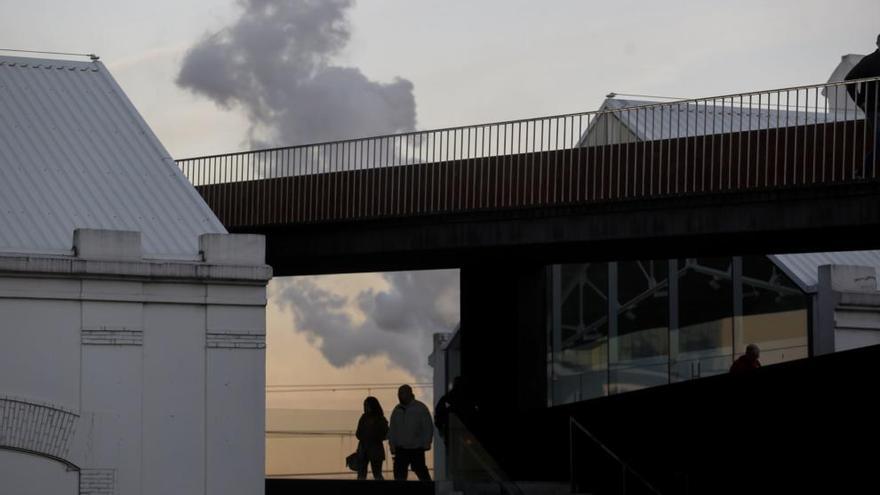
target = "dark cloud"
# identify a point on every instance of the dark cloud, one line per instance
(276, 63)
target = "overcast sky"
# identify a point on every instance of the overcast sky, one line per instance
(445, 63)
(470, 60)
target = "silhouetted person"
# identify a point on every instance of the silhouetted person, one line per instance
(748, 361)
(372, 430)
(459, 401)
(867, 96)
(410, 435)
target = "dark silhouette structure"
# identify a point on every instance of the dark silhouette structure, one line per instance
(460, 401)
(867, 96)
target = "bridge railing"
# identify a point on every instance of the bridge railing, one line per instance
(798, 136)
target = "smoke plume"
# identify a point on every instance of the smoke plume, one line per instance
(399, 321)
(276, 64)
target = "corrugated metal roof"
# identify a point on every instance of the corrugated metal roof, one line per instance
(74, 153)
(687, 119)
(803, 268)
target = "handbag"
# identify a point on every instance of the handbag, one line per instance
(353, 461)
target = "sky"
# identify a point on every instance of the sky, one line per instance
(220, 76)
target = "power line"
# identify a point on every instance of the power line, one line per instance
(92, 56)
(312, 433)
(341, 387)
(303, 385)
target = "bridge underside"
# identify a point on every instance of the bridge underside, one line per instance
(796, 219)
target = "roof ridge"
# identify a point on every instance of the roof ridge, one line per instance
(46, 63)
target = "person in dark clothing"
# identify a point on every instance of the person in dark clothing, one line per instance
(410, 435)
(372, 430)
(867, 96)
(748, 361)
(458, 401)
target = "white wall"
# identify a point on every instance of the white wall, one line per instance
(174, 399)
(235, 400)
(35, 333)
(163, 379)
(24, 474)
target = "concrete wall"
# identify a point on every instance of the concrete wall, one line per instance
(158, 367)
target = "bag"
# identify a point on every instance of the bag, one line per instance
(353, 462)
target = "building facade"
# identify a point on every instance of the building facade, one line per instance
(133, 325)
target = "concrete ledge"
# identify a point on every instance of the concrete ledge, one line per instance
(233, 249)
(847, 278)
(865, 301)
(97, 244)
(137, 270)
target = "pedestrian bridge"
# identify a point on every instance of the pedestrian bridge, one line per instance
(790, 169)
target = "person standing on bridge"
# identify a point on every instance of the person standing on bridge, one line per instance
(410, 436)
(371, 431)
(867, 97)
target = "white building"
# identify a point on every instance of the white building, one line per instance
(133, 326)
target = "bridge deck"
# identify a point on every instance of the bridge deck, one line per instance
(786, 170)
(804, 155)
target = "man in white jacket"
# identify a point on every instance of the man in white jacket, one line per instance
(410, 435)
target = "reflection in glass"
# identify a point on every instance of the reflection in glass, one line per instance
(580, 333)
(667, 327)
(705, 307)
(774, 312)
(641, 349)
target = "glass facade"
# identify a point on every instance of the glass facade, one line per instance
(580, 320)
(774, 313)
(705, 312)
(640, 304)
(621, 326)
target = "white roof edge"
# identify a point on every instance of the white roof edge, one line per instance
(794, 277)
(47, 62)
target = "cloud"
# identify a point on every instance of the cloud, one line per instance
(276, 64)
(399, 321)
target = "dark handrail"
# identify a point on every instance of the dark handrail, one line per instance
(495, 472)
(627, 469)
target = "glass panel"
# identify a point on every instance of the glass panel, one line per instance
(705, 312)
(642, 345)
(579, 333)
(774, 313)
(472, 468)
(642, 351)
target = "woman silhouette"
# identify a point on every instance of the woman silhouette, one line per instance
(372, 430)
